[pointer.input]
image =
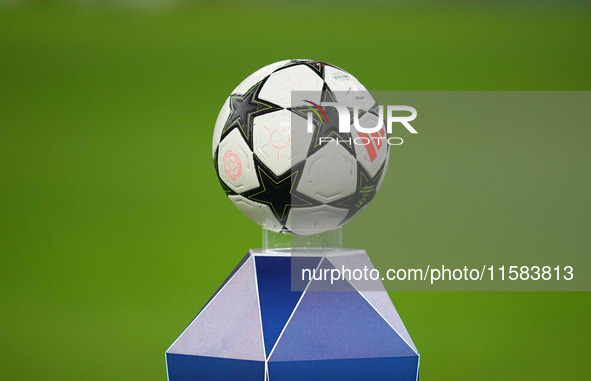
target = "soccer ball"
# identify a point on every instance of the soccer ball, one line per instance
(287, 165)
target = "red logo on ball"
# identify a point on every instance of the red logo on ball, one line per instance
(232, 165)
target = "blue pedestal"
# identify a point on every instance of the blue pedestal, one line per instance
(256, 328)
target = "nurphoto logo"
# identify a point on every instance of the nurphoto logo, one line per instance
(366, 133)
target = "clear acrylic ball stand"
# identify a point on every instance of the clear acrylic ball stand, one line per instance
(327, 241)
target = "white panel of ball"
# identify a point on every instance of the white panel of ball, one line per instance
(278, 88)
(348, 90)
(280, 140)
(235, 163)
(315, 220)
(257, 212)
(329, 174)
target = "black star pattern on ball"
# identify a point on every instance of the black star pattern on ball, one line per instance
(244, 108)
(279, 192)
(318, 67)
(364, 193)
(326, 128)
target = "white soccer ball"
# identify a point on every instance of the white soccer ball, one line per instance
(283, 175)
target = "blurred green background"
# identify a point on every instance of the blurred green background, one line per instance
(114, 230)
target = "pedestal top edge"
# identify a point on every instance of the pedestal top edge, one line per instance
(305, 252)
